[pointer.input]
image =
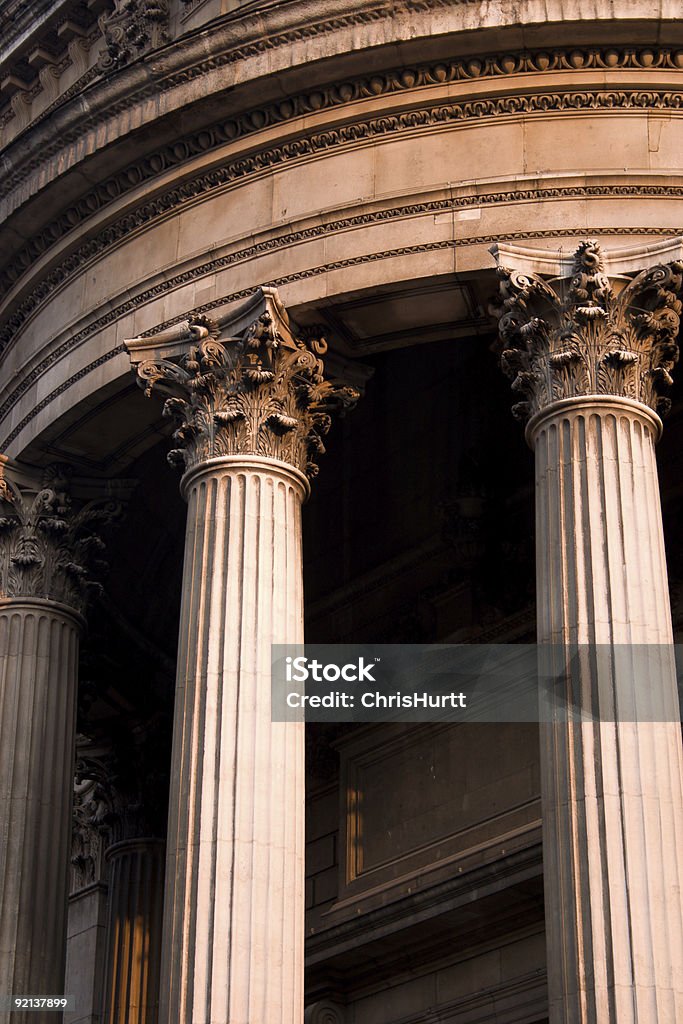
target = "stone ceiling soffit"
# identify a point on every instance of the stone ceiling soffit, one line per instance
(83, 488)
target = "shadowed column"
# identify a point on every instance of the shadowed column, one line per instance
(134, 919)
(47, 542)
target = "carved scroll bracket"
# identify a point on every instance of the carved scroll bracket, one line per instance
(249, 384)
(606, 326)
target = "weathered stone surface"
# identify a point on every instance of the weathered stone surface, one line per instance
(160, 161)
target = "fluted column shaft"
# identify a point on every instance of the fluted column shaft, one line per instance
(612, 785)
(38, 679)
(250, 404)
(234, 904)
(591, 354)
(134, 931)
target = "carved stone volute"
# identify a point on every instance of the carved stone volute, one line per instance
(591, 333)
(50, 543)
(259, 391)
(325, 1012)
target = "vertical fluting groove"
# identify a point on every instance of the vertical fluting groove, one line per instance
(635, 758)
(220, 508)
(38, 665)
(205, 757)
(236, 794)
(194, 681)
(613, 801)
(226, 765)
(236, 555)
(178, 811)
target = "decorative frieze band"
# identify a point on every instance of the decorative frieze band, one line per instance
(589, 334)
(472, 67)
(261, 392)
(119, 229)
(215, 136)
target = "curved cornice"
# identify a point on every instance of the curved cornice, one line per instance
(347, 95)
(283, 31)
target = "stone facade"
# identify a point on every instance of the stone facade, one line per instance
(313, 234)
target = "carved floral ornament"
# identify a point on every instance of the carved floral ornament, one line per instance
(50, 545)
(591, 334)
(131, 29)
(91, 815)
(260, 393)
(119, 793)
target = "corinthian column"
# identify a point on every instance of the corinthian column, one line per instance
(250, 406)
(589, 355)
(46, 557)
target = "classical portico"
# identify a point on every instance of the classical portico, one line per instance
(590, 344)
(266, 216)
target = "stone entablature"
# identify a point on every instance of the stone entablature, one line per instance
(231, 55)
(90, 198)
(567, 70)
(562, 66)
